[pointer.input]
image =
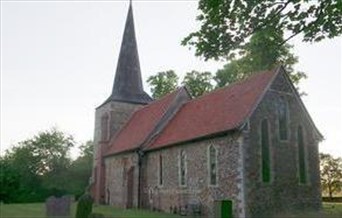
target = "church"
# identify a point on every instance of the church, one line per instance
(246, 150)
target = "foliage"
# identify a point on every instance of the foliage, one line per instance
(42, 161)
(9, 181)
(80, 170)
(84, 206)
(166, 82)
(331, 174)
(163, 83)
(48, 152)
(198, 82)
(227, 25)
(262, 52)
(41, 166)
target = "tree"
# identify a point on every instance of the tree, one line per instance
(226, 25)
(198, 82)
(21, 162)
(80, 170)
(40, 164)
(163, 83)
(166, 82)
(331, 174)
(262, 52)
(9, 181)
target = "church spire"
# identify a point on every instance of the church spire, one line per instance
(128, 84)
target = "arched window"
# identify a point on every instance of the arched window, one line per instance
(265, 152)
(282, 118)
(160, 170)
(301, 156)
(105, 127)
(212, 165)
(182, 168)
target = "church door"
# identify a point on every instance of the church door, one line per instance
(130, 181)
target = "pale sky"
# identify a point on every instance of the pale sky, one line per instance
(58, 61)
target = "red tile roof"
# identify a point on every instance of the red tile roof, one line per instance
(140, 125)
(218, 111)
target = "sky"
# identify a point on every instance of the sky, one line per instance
(58, 62)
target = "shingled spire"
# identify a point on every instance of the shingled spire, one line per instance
(128, 84)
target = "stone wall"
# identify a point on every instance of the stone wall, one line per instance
(171, 196)
(284, 193)
(118, 114)
(117, 187)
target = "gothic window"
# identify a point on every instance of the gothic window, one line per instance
(105, 127)
(160, 170)
(212, 165)
(282, 118)
(301, 156)
(265, 152)
(182, 168)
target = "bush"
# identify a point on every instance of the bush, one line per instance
(84, 206)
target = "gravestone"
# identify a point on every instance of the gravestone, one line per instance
(58, 207)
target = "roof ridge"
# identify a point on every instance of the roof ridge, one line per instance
(187, 120)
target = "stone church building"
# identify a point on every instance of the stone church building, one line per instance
(249, 149)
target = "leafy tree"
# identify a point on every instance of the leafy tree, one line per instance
(163, 83)
(261, 53)
(40, 164)
(331, 174)
(52, 148)
(9, 181)
(166, 82)
(198, 82)
(21, 162)
(80, 170)
(227, 25)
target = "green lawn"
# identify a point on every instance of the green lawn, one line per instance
(37, 210)
(330, 210)
(333, 209)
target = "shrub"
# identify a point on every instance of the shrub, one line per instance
(84, 206)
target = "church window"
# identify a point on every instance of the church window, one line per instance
(105, 127)
(160, 170)
(282, 118)
(301, 156)
(182, 168)
(212, 165)
(265, 152)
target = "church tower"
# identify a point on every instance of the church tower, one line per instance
(127, 95)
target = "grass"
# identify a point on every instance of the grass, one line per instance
(330, 210)
(37, 210)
